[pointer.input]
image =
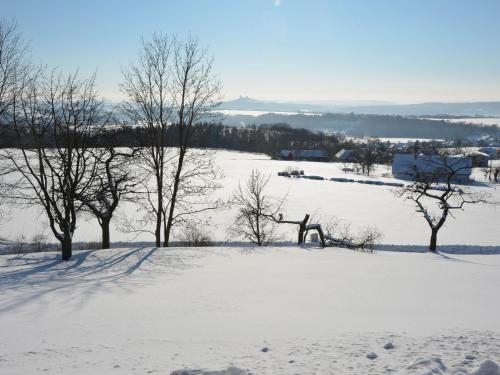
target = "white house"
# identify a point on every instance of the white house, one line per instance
(345, 155)
(491, 151)
(410, 166)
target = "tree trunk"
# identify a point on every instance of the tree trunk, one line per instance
(105, 233)
(321, 236)
(158, 219)
(167, 230)
(300, 240)
(433, 243)
(173, 200)
(302, 229)
(166, 235)
(66, 246)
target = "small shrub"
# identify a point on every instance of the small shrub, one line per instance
(194, 236)
(19, 245)
(342, 236)
(39, 242)
(367, 238)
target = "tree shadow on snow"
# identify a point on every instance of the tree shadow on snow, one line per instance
(446, 249)
(462, 260)
(31, 278)
(446, 252)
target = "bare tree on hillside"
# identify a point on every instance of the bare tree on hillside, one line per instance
(437, 195)
(256, 209)
(259, 214)
(112, 181)
(54, 118)
(366, 159)
(13, 64)
(195, 92)
(147, 86)
(171, 88)
(199, 178)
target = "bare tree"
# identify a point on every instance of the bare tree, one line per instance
(171, 88)
(304, 227)
(147, 86)
(111, 181)
(195, 92)
(199, 178)
(10, 185)
(366, 158)
(254, 221)
(340, 234)
(259, 214)
(54, 118)
(491, 172)
(5, 189)
(13, 64)
(436, 195)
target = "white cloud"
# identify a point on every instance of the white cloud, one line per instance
(277, 2)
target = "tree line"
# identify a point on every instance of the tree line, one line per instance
(269, 139)
(371, 125)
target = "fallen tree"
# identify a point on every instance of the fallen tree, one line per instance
(340, 234)
(304, 228)
(259, 214)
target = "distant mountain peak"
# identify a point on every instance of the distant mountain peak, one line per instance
(247, 99)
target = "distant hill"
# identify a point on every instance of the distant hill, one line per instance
(471, 109)
(483, 109)
(248, 104)
(370, 125)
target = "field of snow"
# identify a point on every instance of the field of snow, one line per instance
(266, 311)
(360, 204)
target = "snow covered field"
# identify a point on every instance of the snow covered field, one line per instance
(147, 310)
(360, 204)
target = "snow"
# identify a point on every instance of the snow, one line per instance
(317, 311)
(410, 165)
(358, 203)
(229, 371)
(434, 365)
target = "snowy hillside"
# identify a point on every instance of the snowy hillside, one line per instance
(266, 311)
(360, 204)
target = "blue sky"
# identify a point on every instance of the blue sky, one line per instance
(300, 50)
